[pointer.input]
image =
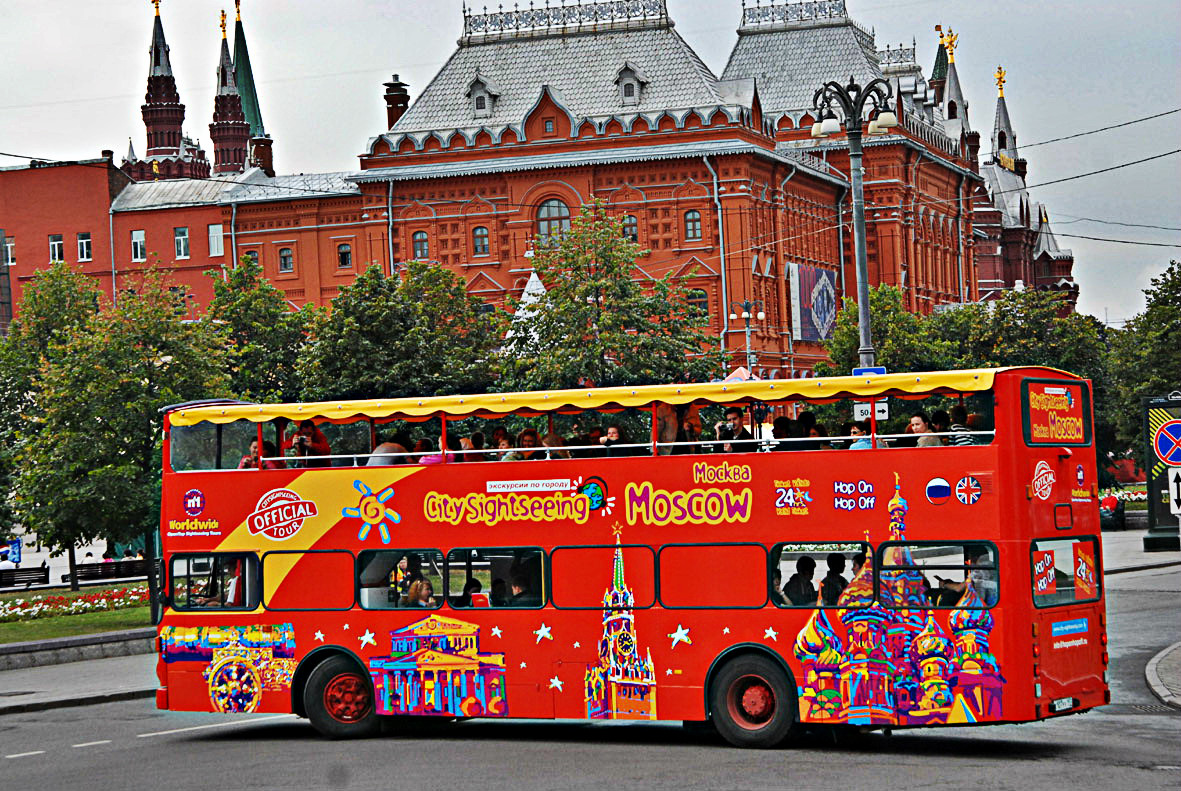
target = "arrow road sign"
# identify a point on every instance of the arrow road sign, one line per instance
(1175, 490)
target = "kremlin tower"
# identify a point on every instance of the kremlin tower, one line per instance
(229, 131)
(169, 153)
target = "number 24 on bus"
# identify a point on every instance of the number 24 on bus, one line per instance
(788, 583)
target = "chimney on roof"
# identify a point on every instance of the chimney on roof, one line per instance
(261, 155)
(107, 154)
(973, 141)
(397, 100)
(1021, 167)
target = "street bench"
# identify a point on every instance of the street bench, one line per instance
(11, 578)
(120, 569)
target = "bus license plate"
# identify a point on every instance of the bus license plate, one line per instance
(1062, 704)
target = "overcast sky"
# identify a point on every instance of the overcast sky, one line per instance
(74, 74)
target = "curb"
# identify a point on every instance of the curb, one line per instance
(38, 653)
(89, 700)
(1145, 567)
(1152, 676)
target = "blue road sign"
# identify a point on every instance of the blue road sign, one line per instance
(877, 370)
(14, 550)
(1167, 443)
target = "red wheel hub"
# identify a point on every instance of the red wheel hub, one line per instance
(347, 698)
(751, 702)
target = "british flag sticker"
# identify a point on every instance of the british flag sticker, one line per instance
(968, 490)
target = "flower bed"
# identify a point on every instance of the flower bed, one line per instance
(52, 606)
(1132, 495)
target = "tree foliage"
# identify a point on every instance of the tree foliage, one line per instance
(415, 334)
(596, 323)
(56, 301)
(1146, 356)
(902, 340)
(266, 335)
(90, 460)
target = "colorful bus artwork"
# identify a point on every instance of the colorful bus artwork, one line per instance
(655, 565)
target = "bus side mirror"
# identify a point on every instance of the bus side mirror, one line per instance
(1065, 453)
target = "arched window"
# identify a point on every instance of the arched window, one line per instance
(344, 256)
(631, 228)
(629, 90)
(698, 299)
(1002, 141)
(480, 241)
(693, 225)
(252, 255)
(286, 260)
(481, 103)
(951, 111)
(422, 246)
(553, 221)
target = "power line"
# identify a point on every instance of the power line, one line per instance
(1073, 219)
(1117, 241)
(1102, 129)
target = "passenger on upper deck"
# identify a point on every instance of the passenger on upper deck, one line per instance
(527, 444)
(959, 426)
(920, 425)
(614, 437)
(387, 453)
(733, 435)
(269, 454)
(451, 443)
(860, 430)
(555, 447)
(309, 442)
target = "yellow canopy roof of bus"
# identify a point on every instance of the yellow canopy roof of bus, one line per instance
(821, 389)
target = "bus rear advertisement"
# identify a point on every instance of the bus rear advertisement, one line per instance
(787, 582)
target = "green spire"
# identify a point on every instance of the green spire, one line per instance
(246, 82)
(939, 70)
(617, 580)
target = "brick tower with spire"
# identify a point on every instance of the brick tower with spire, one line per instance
(169, 153)
(260, 154)
(230, 131)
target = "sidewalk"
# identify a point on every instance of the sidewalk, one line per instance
(128, 677)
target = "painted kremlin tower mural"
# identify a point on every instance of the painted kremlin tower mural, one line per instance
(622, 686)
(896, 663)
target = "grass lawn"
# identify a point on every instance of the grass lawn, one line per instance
(74, 625)
(1140, 506)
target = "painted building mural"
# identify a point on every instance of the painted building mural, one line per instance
(622, 685)
(435, 667)
(241, 662)
(896, 663)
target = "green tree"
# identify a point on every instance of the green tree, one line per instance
(266, 335)
(902, 340)
(417, 333)
(1145, 360)
(90, 462)
(596, 323)
(56, 301)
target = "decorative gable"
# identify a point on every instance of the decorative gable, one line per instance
(483, 94)
(631, 82)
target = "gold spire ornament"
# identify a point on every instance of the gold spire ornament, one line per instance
(157, 4)
(238, 9)
(950, 42)
(939, 30)
(1000, 81)
(223, 23)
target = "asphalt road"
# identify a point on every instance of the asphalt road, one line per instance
(1135, 743)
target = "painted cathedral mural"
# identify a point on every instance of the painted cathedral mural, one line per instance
(622, 684)
(435, 668)
(896, 664)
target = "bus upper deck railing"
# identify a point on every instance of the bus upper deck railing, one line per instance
(635, 449)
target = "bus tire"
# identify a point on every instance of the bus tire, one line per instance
(752, 702)
(338, 699)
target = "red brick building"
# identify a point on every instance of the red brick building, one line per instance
(537, 113)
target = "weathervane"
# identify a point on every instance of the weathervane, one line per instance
(950, 42)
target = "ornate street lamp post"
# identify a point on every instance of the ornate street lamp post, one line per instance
(746, 310)
(854, 103)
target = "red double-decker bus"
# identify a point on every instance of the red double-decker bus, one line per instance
(320, 561)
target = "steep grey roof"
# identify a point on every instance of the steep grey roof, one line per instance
(1047, 244)
(1008, 193)
(158, 63)
(953, 92)
(1001, 123)
(588, 157)
(227, 81)
(254, 186)
(790, 61)
(582, 67)
(170, 193)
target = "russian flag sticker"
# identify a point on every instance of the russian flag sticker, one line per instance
(938, 491)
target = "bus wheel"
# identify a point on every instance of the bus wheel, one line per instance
(751, 703)
(338, 700)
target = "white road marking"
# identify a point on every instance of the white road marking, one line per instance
(25, 755)
(93, 744)
(215, 725)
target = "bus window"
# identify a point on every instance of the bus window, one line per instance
(810, 575)
(215, 582)
(214, 446)
(496, 577)
(390, 578)
(1065, 571)
(350, 442)
(584, 578)
(938, 575)
(713, 575)
(316, 580)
